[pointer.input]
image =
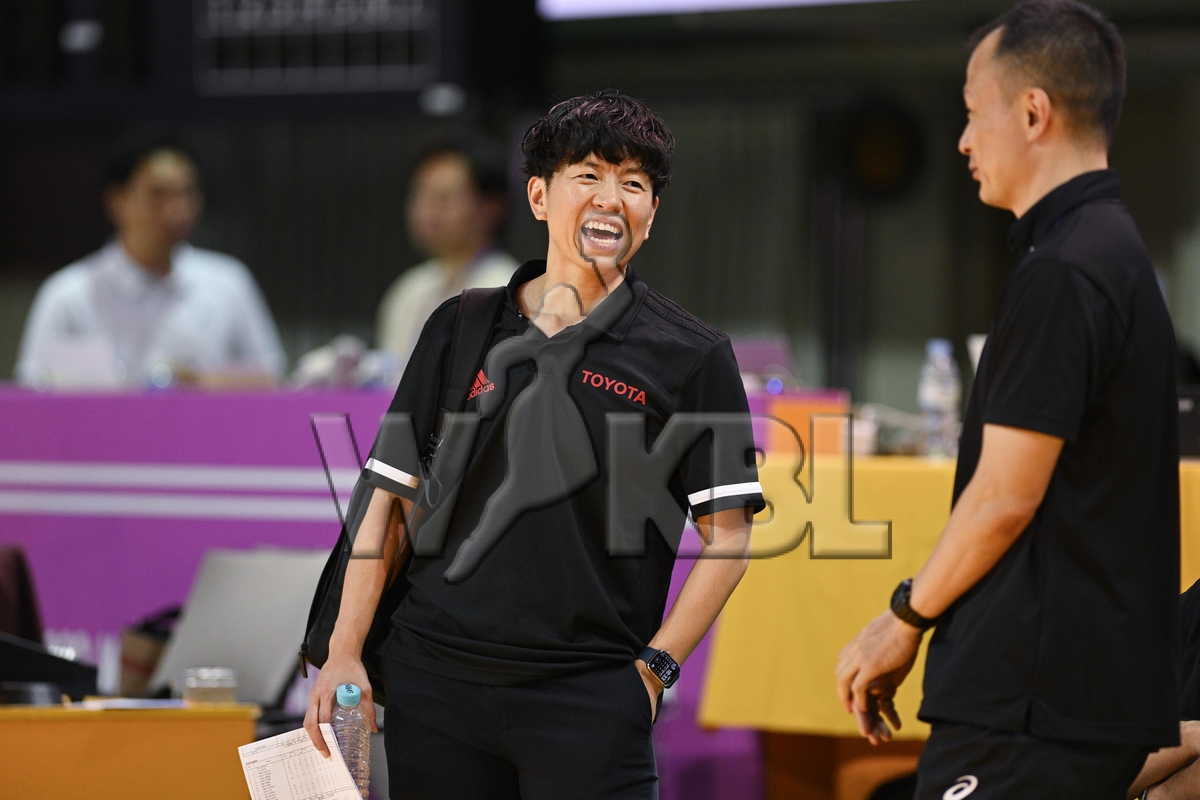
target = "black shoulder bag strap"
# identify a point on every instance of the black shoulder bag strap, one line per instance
(448, 451)
(478, 312)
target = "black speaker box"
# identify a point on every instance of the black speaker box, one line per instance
(22, 660)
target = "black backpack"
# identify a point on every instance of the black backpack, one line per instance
(478, 312)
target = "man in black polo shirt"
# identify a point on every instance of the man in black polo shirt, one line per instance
(1054, 668)
(517, 664)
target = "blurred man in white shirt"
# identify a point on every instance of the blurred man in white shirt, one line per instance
(148, 308)
(456, 205)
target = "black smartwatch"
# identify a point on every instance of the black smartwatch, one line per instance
(904, 611)
(662, 665)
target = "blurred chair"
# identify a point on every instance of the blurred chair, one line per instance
(19, 614)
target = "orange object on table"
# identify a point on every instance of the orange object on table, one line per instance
(796, 408)
(116, 754)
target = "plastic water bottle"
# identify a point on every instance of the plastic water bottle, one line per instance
(938, 399)
(353, 735)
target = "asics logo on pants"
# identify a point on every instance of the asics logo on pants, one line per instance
(963, 787)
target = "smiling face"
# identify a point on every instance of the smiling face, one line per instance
(598, 213)
(996, 139)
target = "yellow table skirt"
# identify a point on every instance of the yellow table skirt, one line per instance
(777, 643)
(60, 752)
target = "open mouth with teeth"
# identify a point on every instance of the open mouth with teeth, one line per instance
(602, 235)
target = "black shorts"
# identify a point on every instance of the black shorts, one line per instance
(579, 737)
(961, 761)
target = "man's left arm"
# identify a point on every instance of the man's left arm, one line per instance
(724, 556)
(1009, 483)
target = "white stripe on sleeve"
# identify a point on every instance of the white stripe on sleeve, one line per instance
(391, 473)
(708, 495)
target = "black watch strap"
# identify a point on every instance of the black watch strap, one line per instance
(662, 665)
(902, 609)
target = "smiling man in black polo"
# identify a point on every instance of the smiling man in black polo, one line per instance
(1054, 666)
(518, 662)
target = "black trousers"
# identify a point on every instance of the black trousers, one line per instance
(964, 761)
(574, 738)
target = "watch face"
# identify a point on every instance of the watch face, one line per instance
(665, 668)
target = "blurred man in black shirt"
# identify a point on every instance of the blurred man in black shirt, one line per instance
(1054, 669)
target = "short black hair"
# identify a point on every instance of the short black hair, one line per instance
(135, 147)
(487, 161)
(1070, 50)
(611, 125)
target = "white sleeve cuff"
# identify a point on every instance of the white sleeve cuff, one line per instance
(391, 473)
(728, 490)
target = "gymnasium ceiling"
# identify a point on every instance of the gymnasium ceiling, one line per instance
(874, 39)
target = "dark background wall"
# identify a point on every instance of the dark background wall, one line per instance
(310, 191)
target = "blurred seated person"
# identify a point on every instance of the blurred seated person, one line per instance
(148, 308)
(457, 202)
(1173, 773)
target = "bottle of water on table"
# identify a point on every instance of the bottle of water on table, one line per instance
(353, 735)
(938, 399)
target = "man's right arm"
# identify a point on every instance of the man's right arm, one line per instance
(1010, 481)
(376, 547)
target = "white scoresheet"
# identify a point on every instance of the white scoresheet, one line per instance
(289, 767)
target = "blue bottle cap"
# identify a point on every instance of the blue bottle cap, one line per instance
(349, 695)
(938, 347)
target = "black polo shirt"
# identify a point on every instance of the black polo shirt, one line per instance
(1074, 634)
(540, 594)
